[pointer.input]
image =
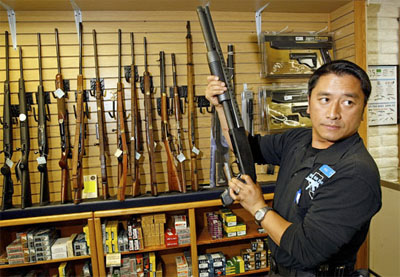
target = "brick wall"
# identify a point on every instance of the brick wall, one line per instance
(383, 49)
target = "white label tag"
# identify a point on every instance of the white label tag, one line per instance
(118, 153)
(195, 150)
(22, 117)
(155, 145)
(181, 157)
(59, 93)
(137, 156)
(113, 259)
(41, 160)
(9, 163)
(132, 138)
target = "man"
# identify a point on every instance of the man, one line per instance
(328, 186)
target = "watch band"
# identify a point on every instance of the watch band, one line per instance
(260, 214)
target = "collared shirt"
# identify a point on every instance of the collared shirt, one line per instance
(328, 195)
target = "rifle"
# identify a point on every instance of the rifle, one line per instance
(174, 182)
(64, 131)
(8, 186)
(79, 142)
(42, 133)
(22, 169)
(136, 145)
(179, 132)
(192, 111)
(100, 125)
(146, 85)
(237, 133)
(122, 142)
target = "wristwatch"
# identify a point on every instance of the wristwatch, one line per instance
(260, 214)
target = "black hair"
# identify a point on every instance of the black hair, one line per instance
(340, 68)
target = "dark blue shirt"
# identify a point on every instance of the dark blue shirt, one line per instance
(329, 195)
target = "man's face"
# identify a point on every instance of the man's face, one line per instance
(336, 107)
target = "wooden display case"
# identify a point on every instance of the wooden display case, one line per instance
(66, 224)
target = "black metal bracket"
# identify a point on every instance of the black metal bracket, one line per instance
(66, 85)
(127, 71)
(93, 86)
(202, 102)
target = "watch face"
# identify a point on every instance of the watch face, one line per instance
(259, 214)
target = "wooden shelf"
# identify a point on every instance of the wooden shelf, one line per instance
(153, 248)
(250, 272)
(251, 232)
(46, 262)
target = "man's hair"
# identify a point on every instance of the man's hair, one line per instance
(340, 68)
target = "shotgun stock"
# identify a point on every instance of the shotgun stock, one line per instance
(22, 169)
(64, 130)
(191, 111)
(174, 182)
(44, 197)
(178, 124)
(8, 186)
(146, 85)
(122, 141)
(135, 127)
(100, 125)
(79, 141)
(237, 133)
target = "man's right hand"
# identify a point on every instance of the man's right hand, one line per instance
(214, 88)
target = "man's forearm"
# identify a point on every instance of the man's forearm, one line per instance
(224, 125)
(275, 226)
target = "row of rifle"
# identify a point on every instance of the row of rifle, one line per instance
(129, 149)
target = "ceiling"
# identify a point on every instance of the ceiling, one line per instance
(305, 6)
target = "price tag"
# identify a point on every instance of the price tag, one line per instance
(113, 259)
(22, 117)
(41, 160)
(195, 150)
(132, 138)
(59, 93)
(9, 163)
(137, 156)
(181, 157)
(118, 153)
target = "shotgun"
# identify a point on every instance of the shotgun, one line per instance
(237, 133)
(22, 167)
(191, 111)
(100, 125)
(122, 141)
(63, 127)
(146, 85)
(178, 124)
(8, 186)
(42, 119)
(136, 143)
(174, 182)
(79, 141)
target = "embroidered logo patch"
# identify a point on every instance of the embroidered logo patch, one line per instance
(317, 178)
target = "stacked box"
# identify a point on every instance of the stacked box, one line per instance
(23, 236)
(104, 235)
(171, 238)
(211, 265)
(123, 242)
(70, 245)
(139, 265)
(87, 236)
(189, 262)
(31, 245)
(43, 240)
(111, 236)
(135, 235)
(15, 252)
(182, 229)
(214, 225)
(59, 248)
(182, 267)
(230, 268)
(65, 270)
(241, 229)
(80, 245)
(239, 264)
(153, 229)
(255, 257)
